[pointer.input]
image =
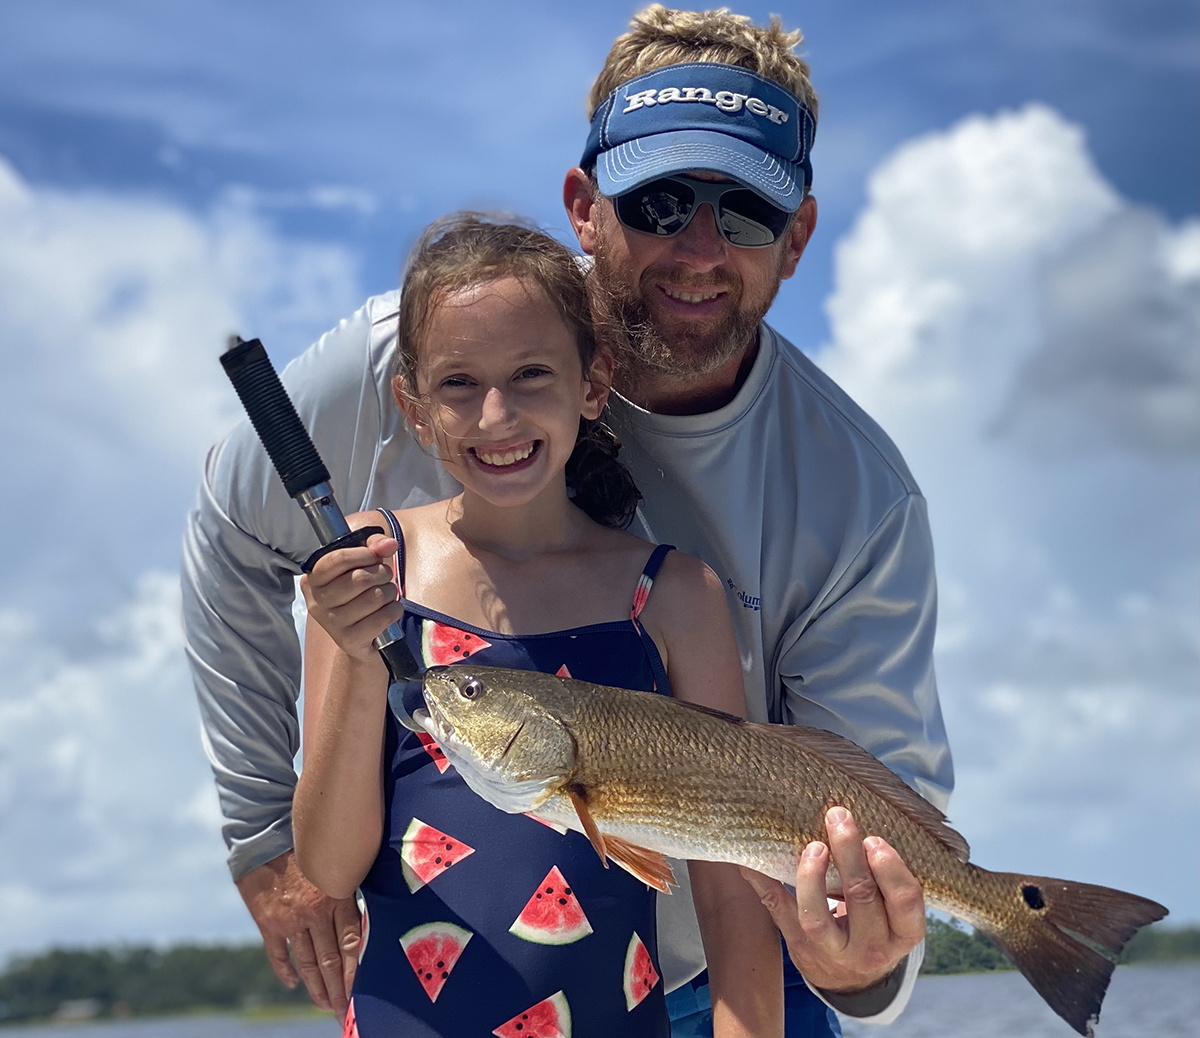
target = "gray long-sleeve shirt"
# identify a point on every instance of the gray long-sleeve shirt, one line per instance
(791, 493)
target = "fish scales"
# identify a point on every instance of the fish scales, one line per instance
(647, 770)
(644, 776)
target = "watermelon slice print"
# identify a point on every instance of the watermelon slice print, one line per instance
(442, 644)
(640, 974)
(550, 1018)
(562, 672)
(552, 915)
(435, 751)
(350, 1028)
(426, 852)
(549, 825)
(432, 950)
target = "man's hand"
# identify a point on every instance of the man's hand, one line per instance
(881, 920)
(324, 934)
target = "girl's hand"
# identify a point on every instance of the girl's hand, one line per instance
(352, 594)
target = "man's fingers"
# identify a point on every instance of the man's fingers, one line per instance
(326, 946)
(348, 927)
(812, 905)
(865, 909)
(902, 895)
(277, 952)
(310, 972)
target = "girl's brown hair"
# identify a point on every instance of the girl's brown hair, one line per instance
(465, 250)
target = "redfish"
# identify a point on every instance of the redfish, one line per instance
(645, 777)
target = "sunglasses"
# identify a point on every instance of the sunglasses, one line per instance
(665, 207)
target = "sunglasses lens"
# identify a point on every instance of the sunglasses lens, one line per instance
(660, 207)
(749, 220)
(664, 207)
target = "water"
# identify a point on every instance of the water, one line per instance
(1151, 1001)
(1147, 1001)
(217, 1025)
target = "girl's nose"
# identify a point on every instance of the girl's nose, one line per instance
(496, 413)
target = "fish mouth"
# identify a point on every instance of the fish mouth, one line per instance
(433, 721)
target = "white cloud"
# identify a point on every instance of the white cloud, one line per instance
(110, 822)
(115, 309)
(1031, 341)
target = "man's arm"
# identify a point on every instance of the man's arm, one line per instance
(861, 665)
(861, 662)
(240, 551)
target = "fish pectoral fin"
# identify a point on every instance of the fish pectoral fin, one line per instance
(589, 825)
(648, 866)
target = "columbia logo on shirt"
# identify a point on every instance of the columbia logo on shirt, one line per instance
(748, 601)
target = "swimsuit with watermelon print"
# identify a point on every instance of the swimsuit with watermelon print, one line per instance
(485, 923)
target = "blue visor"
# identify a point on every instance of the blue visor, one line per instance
(703, 116)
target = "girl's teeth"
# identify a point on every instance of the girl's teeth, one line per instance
(508, 458)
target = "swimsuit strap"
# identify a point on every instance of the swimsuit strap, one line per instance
(398, 559)
(644, 584)
(646, 580)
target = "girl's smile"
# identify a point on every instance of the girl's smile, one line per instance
(513, 458)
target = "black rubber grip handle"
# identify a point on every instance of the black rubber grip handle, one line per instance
(354, 539)
(274, 418)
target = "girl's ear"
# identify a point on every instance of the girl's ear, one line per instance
(415, 412)
(597, 385)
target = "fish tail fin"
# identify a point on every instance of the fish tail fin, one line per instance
(1065, 938)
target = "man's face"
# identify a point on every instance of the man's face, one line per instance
(688, 303)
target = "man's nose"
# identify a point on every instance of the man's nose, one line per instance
(497, 411)
(700, 245)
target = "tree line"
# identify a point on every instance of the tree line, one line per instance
(144, 981)
(952, 948)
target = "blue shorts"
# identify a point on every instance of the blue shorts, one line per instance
(805, 1015)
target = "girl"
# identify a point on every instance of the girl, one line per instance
(478, 922)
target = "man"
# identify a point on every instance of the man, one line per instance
(693, 199)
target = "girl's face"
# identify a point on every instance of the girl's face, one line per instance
(502, 390)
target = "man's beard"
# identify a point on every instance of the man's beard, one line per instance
(685, 349)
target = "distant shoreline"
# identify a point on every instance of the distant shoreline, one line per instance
(137, 982)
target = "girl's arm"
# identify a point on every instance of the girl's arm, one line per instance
(688, 618)
(338, 808)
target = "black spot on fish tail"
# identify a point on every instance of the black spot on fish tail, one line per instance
(1066, 937)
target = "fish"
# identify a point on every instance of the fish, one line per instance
(646, 777)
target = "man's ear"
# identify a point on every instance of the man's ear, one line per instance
(597, 385)
(799, 235)
(581, 208)
(415, 412)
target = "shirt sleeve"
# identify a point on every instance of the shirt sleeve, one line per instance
(882, 1004)
(243, 542)
(861, 663)
(862, 666)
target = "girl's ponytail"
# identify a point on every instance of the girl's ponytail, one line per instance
(597, 481)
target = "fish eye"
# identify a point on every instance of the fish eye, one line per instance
(471, 689)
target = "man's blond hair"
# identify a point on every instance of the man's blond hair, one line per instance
(658, 37)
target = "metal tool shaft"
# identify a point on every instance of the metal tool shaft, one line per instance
(304, 475)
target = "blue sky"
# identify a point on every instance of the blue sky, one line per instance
(1006, 273)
